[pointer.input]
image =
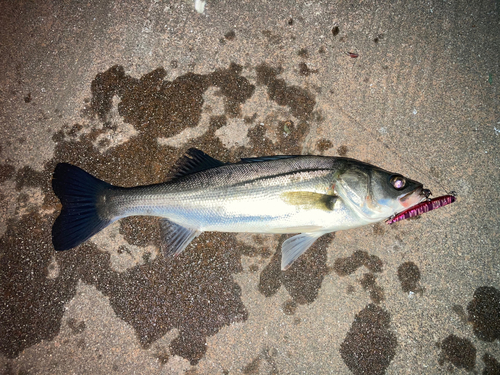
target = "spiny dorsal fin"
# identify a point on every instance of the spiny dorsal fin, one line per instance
(193, 161)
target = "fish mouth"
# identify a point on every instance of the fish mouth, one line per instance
(414, 197)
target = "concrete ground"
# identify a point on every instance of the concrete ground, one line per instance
(123, 89)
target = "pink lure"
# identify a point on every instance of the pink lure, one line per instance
(423, 207)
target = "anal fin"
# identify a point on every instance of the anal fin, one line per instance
(295, 246)
(175, 238)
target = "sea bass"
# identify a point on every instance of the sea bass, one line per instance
(309, 195)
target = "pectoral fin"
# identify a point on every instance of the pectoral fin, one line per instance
(295, 246)
(175, 238)
(310, 200)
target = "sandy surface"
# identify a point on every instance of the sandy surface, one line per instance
(123, 89)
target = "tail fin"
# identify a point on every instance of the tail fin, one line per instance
(78, 192)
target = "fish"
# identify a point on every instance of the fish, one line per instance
(306, 195)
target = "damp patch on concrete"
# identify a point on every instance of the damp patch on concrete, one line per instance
(304, 277)
(409, 277)
(458, 351)
(300, 101)
(484, 313)
(32, 303)
(323, 144)
(346, 266)
(369, 283)
(491, 365)
(6, 172)
(370, 345)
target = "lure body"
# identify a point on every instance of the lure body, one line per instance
(423, 207)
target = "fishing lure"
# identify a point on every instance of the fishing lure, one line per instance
(423, 207)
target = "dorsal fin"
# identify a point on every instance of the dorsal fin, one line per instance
(266, 158)
(193, 161)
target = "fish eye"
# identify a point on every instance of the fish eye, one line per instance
(398, 182)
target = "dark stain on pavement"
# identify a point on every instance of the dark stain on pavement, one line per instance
(27, 177)
(160, 108)
(6, 172)
(230, 35)
(304, 277)
(31, 304)
(194, 292)
(484, 313)
(76, 327)
(323, 144)
(491, 365)
(346, 266)
(304, 70)
(288, 143)
(289, 307)
(300, 101)
(343, 150)
(458, 351)
(303, 53)
(409, 277)
(462, 315)
(370, 345)
(369, 283)
(273, 39)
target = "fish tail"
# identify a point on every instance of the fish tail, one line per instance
(79, 219)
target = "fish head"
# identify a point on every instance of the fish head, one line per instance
(376, 194)
(394, 192)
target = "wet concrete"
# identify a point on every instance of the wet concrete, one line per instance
(124, 89)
